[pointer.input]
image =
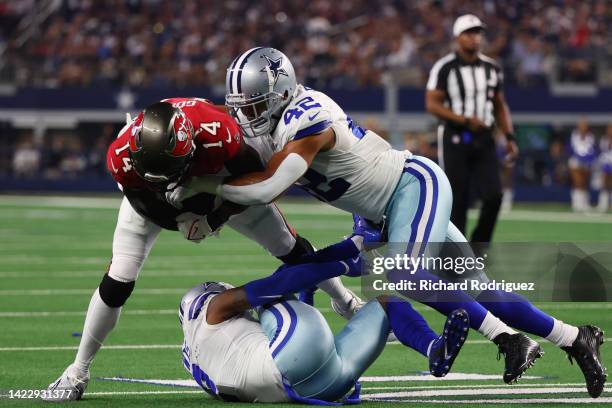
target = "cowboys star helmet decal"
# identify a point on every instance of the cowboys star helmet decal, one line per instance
(274, 65)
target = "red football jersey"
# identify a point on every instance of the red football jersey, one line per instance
(217, 139)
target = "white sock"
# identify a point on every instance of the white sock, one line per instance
(575, 199)
(335, 289)
(562, 334)
(584, 199)
(99, 322)
(507, 199)
(491, 327)
(604, 200)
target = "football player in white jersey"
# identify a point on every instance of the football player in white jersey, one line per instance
(286, 351)
(144, 160)
(315, 144)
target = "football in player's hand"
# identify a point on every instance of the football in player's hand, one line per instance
(201, 204)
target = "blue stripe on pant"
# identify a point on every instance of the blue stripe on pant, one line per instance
(419, 209)
(314, 363)
(418, 215)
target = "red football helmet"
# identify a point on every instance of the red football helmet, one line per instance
(161, 145)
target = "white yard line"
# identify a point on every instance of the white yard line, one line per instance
(522, 401)
(471, 386)
(485, 391)
(137, 312)
(64, 292)
(113, 347)
(291, 207)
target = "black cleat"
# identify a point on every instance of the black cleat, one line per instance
(446, 347)
(520, 353)
(585, 350)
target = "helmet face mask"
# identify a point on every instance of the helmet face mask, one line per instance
(259, 83)
(161, 146)
(255, 115)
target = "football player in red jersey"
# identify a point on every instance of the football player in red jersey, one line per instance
(166, 144)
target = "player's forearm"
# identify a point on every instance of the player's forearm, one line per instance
(254, 189)
(221, 215)
(349, 248)
(291, 279)
(503, 119)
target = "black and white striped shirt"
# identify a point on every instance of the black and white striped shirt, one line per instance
(469, 86)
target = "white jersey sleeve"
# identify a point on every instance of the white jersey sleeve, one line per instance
(230, 360)
(303, 117)
(361, 171)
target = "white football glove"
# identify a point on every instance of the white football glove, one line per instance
(195, 227)
(178, 195)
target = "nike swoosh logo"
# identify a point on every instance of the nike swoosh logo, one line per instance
(229, 136)
(313, 116)
(113, 166)
(446, 355)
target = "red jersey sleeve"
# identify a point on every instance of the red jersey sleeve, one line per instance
(119, 164)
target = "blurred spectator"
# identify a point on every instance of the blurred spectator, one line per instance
(333, 43)
(605, 162)
(26, 160)
(558, 170)
(583, 154)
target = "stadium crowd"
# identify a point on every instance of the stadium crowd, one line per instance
(333, 43)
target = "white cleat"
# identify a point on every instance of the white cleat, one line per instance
(347, 310)
(69, 387)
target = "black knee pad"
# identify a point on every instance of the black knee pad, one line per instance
(301, 247)
(115, 293)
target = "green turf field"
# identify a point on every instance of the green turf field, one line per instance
(54, 251)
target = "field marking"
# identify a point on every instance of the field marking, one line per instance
(367, 379)
(502, 401)
(113, 347)
(98, 273)
(65, 292)
(193, 384)
(471, 386)
(486, 391)
(292, 207)
(138, 312)
(449, 377)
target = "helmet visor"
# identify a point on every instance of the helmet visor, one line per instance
(253, 115)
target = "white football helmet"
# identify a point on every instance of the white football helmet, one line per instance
(259, 85)
(192, 301)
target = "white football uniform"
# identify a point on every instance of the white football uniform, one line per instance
(232, 359)
(361, 171)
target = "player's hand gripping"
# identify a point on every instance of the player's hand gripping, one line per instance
(372, 234)
(176, 196)
(195, 227)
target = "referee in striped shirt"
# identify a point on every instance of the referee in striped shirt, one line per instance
(464, 91)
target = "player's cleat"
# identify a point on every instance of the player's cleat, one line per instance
(520, 353)
(347, 310)
(69, 387)
(446, 347)
(585, 350)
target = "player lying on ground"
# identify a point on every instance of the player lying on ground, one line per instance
(317, 145)
(168, 142)
(289, 352)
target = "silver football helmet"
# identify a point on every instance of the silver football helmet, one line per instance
(192, 301)
(259, 85)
